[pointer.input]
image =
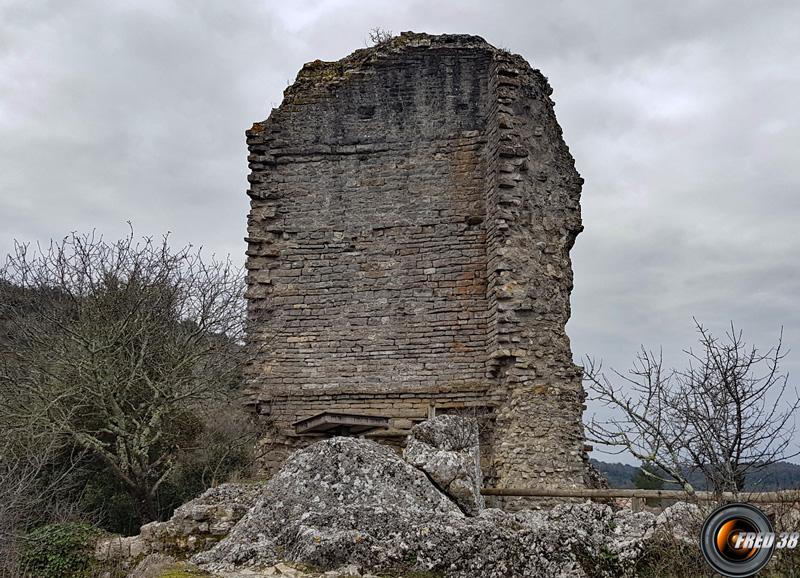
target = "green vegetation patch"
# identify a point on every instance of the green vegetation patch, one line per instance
(61, 551)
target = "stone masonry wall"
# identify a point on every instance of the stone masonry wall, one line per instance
(412, 210)
(532, 222)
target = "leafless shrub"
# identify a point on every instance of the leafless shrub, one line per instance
(225, 449)
(671, 557)
(32, 489)
(378, 36)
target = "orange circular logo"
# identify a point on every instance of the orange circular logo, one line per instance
(737, 540)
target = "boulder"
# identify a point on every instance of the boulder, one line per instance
(347, 501)
(446, 448)
(626, 539)
(329, 504)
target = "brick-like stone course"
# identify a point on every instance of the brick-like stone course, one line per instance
(412, 210)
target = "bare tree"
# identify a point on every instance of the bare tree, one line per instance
(112, 344)
(727, 415)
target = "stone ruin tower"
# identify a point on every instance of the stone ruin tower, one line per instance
(413, 206)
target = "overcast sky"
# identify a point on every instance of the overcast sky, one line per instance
(683, 118)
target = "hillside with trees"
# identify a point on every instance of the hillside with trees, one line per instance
(777, 476)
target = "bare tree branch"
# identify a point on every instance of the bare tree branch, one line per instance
(728, 414)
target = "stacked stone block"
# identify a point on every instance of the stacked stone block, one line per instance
(412, 210)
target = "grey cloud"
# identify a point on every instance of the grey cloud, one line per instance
(682, 119)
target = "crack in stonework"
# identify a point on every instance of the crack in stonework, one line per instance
(444, 493)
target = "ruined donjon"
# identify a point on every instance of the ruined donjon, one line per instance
(413, 206)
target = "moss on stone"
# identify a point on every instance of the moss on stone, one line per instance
(322, 70)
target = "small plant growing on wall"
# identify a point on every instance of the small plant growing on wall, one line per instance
(378, 36)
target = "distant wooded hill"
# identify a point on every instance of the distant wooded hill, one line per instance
(780, 476)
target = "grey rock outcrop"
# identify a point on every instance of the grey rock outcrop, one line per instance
(347, 501)
(333, 503)
(446, 448)
(344, 505)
